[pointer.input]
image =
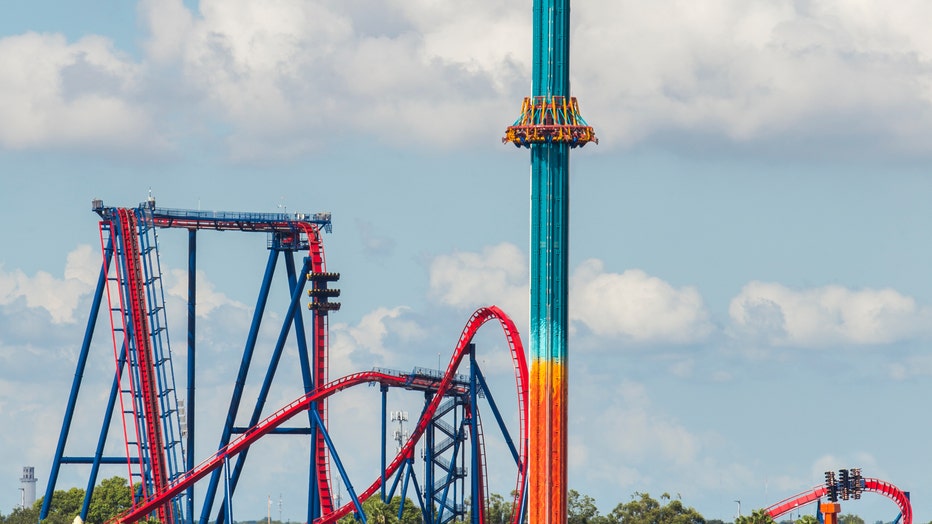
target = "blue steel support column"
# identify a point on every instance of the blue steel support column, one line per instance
(428, 508)
(189, 411)
(313, 491)
(76, 383)
(384, 390)
(478, 502)
(549, 267)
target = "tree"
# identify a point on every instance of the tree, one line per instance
(411, 514)
(65, 506)
(581, 509)
(807, 519)
(378, 512)
(644, 510)
(850, 519)
(22, 515)
(110, 498)
(500, 511)
(758, 516)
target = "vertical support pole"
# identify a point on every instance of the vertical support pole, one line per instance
(428, 511)
(384, 390)
(189, 410)
(307, 375)
(830, 511)
(549, 267)
(478, 502)
(227, 500)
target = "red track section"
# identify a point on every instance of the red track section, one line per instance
(300, 405)
(876, 485)
(319, 350)
(140, 329)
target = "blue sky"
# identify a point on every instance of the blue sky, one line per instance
(750, 301)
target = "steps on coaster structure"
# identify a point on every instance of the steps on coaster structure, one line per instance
(447, 487)
(151, 424)
(123, 354)
(141, 347)
(161, 354)
(161, 350)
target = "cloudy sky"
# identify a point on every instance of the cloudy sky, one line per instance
(750, 299)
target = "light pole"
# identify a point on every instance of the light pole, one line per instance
(739, 507)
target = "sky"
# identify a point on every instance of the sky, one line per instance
(750, 303)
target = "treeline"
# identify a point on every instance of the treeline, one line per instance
(112, 497)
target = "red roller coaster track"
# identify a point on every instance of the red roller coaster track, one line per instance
(253, 434)
(870, 484)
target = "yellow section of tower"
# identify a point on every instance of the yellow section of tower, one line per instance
(547, 442)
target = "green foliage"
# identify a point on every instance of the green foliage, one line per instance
(411, 513)
(758, 516)
(66, 502)
(23, 516)
(850, 519)
(499, 510)
(111, 497)
(807, 519)
(644, 510)
(114, 496)
(581, 509)
(378, 512)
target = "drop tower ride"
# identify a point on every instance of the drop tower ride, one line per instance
(549, 125)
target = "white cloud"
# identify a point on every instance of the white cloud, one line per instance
(636, 305)
(361, 346)
(755, 70)
(827, 315)
(208, 298)
(496, 275)
(285, 77)
(647, 445)
(59, 94)
(632, 304)
(59, 297)
(647, 432)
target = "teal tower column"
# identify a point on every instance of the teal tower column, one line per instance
(549, 125)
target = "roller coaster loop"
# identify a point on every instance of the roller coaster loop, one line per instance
(306, 402)
(870, 484)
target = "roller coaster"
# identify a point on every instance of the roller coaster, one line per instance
(158, 443)
(899, 497)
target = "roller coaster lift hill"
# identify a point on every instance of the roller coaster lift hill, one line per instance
(157, 446)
